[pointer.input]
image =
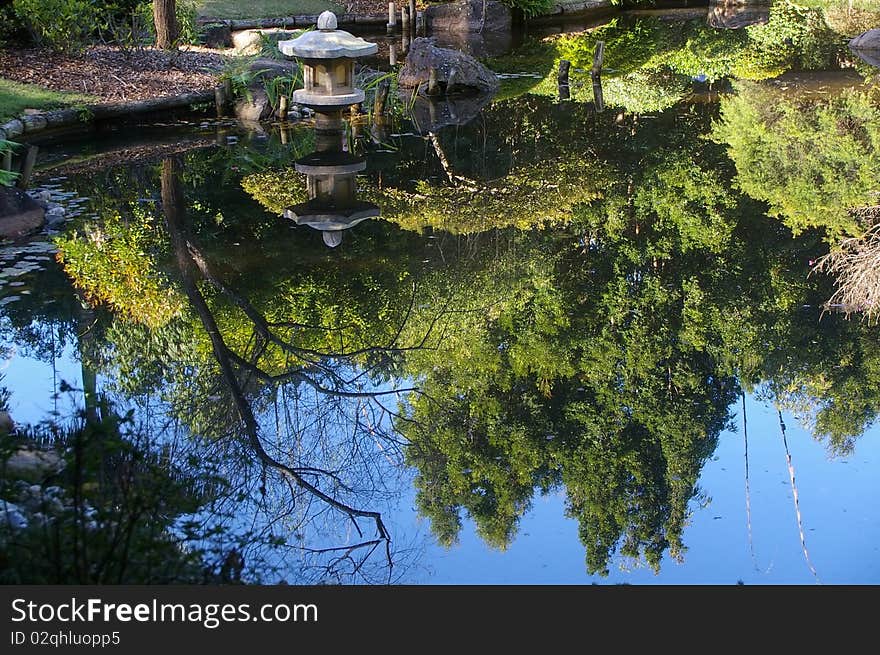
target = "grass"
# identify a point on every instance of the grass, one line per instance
(264, 8)
(16, 97)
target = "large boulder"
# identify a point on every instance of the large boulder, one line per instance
(867, 47)
(469, 16)
(432, 114)
(255, 107)
(251, 42)
(869, 40)
(488, 44)
(456, 71)
(264, 70)
(19, 213)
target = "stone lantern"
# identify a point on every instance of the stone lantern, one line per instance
(328, 56)
(331, 183)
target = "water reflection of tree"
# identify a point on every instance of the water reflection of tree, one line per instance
(361, 413)
(598, 360)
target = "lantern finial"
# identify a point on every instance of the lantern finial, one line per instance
(327, 21)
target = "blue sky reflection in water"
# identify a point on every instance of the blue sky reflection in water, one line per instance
(591, 342)
(836, 498)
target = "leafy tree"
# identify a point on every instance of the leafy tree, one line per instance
(814, 161)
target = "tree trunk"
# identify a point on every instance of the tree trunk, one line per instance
(165, 19)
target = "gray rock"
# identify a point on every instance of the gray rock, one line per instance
(19, 213)
(41, 196)
(869, 40)
(489, 44)
(247, 42)
(55, 216)
(467, 16)
(268, 69)
(468, 74)
(218, 36)
(250, 42)
(13, 129)
(255, 108)
(34, 122)
(431, 114)
(871, 57)
(33, 465)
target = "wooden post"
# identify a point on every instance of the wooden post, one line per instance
(562, 75)
(285, 135)
(27, 168)
(381, 98)
(598, 58)
(562, 80)
(282, 108)
(392, 17)
(433, 86)
(392, 54)
(221, 100)
(598, 97)
(596, 74)
(404, 20)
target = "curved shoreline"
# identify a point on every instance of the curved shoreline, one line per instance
(60, 118)
(32, 124)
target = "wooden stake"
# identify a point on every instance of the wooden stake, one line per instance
(562, 80)
(562, 75)
(598, 97)
(404, 19)
(381, 98)
(27, 168)
(392, 17)
(282, 108)
(598, 58)
(412, 15)
(220, 100)
(392, 54)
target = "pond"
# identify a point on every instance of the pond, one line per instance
(552, 342)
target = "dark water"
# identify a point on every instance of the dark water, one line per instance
(573, 346)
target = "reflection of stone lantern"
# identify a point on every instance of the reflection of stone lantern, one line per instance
(331, 183)
(328, 56)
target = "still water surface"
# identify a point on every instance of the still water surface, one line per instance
(540, 347)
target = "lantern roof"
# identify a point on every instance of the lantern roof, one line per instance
(327, 42)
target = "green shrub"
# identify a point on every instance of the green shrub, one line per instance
(11, 27)
(62, 25)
